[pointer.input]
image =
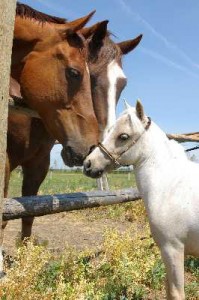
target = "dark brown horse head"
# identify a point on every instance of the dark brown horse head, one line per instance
(50, 65)
(107, 77)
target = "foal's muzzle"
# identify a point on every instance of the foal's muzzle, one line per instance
(91, 172)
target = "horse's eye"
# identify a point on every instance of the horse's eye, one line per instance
(124, 136)
(73, 73)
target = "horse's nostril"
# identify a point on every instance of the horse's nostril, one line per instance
(87, 164)
(92, 148)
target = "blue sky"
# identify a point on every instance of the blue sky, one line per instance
(163, 71)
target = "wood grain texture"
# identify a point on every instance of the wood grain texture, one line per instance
(50, 204)
(7, 15)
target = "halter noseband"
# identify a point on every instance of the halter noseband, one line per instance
(133, 142)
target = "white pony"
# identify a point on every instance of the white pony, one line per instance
(168, 182)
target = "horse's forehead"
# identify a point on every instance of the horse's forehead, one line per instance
(123, 122)
(115, 71)
(73, 56)
(57, 43)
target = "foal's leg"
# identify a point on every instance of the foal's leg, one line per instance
(33, 176)
(174, 262)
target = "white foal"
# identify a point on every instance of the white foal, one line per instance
(168, 182)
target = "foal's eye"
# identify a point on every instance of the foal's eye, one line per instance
(124, 136)
(73, 73)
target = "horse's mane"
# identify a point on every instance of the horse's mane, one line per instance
(177, 149)
(26, 11)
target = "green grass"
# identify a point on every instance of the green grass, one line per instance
(59, 182)
(128, 268)
(68, 181)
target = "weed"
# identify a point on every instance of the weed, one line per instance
(192, 265)
(192, 291)
(157, 275)
(127, 268)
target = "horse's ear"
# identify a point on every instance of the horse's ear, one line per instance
(129, 45)
(139, 110)
(79, 23)
(98, 30)
(126, 105)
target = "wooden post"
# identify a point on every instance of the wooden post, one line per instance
(102, 183)
(7, 15)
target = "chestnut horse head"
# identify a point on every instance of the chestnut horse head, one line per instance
(49, 69)
(107, 77)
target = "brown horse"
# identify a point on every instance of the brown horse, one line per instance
(49, 66)
(29, 143)
(49, 69)
(107, 79)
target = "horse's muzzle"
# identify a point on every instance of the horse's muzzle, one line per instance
(71, 158)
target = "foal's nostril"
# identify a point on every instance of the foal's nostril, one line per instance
(100, 173)
(92, 148)
(87, 164)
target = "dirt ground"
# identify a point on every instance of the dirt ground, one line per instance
(79, 229)
(59, 230)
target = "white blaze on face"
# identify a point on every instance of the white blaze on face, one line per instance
(114, 72)
(87, 69)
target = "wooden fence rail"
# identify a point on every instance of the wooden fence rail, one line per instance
(184, 137)
(43, 205)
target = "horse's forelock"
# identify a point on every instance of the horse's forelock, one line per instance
(75, 39)
(106, 53)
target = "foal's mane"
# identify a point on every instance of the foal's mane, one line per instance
(26, 11)
(174, 148)
(177, 149)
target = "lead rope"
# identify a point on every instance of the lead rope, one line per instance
(190, 149)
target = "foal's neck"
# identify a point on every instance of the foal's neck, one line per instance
(155, 149)
(159, 161)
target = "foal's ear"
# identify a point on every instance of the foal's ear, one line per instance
(129, 45)
(79, 23)
(139, 110)
(98, 30)
(126, 105)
